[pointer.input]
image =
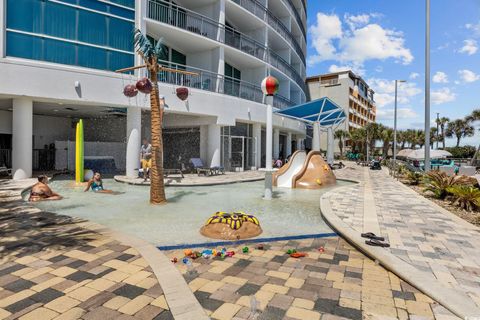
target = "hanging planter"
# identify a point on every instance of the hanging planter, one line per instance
(130, 91)
(182, 93)
(144, 85)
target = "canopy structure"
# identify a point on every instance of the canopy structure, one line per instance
(419, 154)
(323, 114)
(323, 111)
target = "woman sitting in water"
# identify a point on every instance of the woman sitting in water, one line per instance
(41, 191)
(96, 184)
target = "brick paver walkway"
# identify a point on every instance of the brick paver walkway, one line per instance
(53, 268)
(339, 283)
(419, 232)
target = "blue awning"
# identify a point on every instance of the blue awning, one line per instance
(322, 110)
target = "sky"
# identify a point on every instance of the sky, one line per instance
(384, 40)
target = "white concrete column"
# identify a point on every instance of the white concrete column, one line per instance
(257, 135)
(316, 137)
(204, 143)
(299, 143)
(276, 143)
(219, 55)
(330, 145)
(214, 143)
(288, 147)
(140, 23)
(22, 142)
(134, 132)
(221, 19)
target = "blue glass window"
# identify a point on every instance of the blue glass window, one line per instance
(92, 28)
(46, 18)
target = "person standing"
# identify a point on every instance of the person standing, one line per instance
(146, 158)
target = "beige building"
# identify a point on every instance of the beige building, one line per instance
(351, 93)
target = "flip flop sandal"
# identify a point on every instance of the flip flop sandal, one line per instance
(371, 235)
(376, 243)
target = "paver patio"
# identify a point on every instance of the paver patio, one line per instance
(338, 283)
(420, 233)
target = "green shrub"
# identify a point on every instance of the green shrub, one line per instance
(462, 152)
(438, 182)
(414, 178)
(466, 197)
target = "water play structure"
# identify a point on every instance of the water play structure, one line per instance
(304, 171)
(231, 226)
(79, 156)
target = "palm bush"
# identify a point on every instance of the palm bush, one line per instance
(414, 178)
(466, 197)
(438, 182)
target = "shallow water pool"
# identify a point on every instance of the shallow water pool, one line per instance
(292, 212)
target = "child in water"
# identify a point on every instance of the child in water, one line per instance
(96, 184)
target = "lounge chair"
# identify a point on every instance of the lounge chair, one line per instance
(5, 171)
(197, 164)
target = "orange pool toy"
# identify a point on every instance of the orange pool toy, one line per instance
(298, 255)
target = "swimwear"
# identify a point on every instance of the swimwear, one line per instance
(97, 186)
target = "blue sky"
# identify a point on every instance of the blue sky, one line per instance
(383, 40)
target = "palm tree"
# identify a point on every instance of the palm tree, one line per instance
(341, 135)
(410, 137)
(474, 116)
(420, 138)
(387, 137)
(433, 136)
(374, 131)
(460, 129)
(402, 138)
(358, 138)
(442, 122)
(150, 55)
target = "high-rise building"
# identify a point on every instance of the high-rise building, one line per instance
(57, 62)
(351, 93)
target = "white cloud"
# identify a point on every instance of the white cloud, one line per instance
(414, 75)
(328, 28)
(335, 68)
(468, 76)
(474, 27)
(402, 113)
(440, 77)
(442, 95)
(385, 91)
(470, 47)
(363, 41)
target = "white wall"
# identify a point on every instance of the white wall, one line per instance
(5, 122)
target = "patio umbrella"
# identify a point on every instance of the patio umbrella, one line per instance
(404, 152)
(434, 154)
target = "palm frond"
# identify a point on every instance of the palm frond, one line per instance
(160, 49)
(143, 45)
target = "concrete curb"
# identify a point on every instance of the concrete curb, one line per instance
(456, 301)
(180, 299)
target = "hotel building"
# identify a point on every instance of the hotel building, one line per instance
(351, 93)
(57, 62)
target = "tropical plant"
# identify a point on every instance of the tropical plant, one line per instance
(387, 138)
(433, 136)
(442, 122)
(460, 129)
(474, 116)
(341, 135)
(374, 133)
(150, 54)
(438, 182)
(414, 178)
(358, 137)
(462, 152)
(466, 197)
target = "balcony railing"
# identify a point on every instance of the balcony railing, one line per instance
(214, 82)
(297, 17)
(196, 23)
(263, 13)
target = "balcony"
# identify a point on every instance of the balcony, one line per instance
(193, 22)
(214, 82)
(263, 13)
(297, 17)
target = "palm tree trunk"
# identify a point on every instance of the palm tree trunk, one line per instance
(157, 188)
(458, 141)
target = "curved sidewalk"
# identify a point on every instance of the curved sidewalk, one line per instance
(431, 248)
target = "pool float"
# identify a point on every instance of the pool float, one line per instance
(231, 226)
(245, 249)
(318, 181)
